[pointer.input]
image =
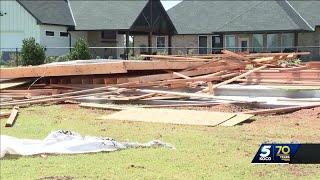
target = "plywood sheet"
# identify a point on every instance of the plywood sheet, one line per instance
(239, 118)
(172, 116)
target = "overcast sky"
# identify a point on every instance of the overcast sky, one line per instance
(167, 4)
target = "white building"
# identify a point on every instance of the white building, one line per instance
(48, 22)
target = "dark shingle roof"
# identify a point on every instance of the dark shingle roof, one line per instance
(309, 10)
(197, 17)
(49, 12)
(95, 15)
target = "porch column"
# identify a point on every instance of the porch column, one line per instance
(170, 44)
(127, 45)
(150, 43)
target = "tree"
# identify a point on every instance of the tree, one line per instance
(32, 53)
(80, 51)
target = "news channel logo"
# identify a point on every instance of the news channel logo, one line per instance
(275, 153)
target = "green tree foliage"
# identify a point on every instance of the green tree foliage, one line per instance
(32, 53)
(80, 51)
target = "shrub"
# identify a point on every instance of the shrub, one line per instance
(80, 51)
(32, 53)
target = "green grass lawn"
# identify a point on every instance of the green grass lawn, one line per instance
(201, 152)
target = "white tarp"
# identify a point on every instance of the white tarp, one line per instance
(67, 142)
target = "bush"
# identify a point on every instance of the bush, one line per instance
(80, 51)
(32, 53)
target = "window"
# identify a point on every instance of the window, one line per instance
(287, 42)
(216, 44)
(230, 42)
(111, 35)
(203, 45)
(161, 41)
(49, 33)
(257, 42)
(273, 42)
(63, 34)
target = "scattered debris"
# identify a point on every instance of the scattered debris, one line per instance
(170, 81)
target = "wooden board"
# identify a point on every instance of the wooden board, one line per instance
(63, 70)
(239, 118)
(5, 85)
(172, 116)
(102, 106)
(12, 117)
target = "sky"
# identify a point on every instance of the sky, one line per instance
(167, 4)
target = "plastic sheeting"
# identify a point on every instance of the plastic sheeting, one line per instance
(67, 142)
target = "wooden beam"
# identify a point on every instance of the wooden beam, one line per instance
(12, 118)
(176, 58)
(63, 70)
(235, 78)
(281, 110)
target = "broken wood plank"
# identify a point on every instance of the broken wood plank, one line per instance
(102, 106)
(63, 70)
(12, 118)
(281, 110)
(234, 79)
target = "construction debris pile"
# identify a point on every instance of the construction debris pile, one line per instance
(267, 80)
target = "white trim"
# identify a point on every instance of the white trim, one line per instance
(300, 16)
(70, 9)
(199, 42)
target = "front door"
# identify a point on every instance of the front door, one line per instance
(244, 44)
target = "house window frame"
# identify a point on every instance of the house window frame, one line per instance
(278, 41)
(225, 42)
(199, 43)
(64, 34)
(164, 44)
(47, 32)
(255, 48)
(213, 49)
(292, 46)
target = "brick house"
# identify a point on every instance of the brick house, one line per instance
(205, 27)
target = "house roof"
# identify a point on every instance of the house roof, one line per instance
(49, 12)
(202, 17)
(95, 15)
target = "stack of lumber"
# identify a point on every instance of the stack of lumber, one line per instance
(185, 80)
